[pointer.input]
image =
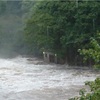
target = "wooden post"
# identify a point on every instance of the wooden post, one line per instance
(56, 58)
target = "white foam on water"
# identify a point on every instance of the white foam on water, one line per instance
(18, 75)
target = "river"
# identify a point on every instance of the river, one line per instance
(24, 78)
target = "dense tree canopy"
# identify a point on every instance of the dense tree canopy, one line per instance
(62, 26)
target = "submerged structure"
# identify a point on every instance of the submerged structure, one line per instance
(50, 57)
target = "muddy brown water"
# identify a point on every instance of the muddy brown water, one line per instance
(23, 78)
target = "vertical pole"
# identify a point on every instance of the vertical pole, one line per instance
(47, 37)
(56, 58)
(93, 24)
(47, 31)
(77, 3)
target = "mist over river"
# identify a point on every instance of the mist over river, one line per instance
(24, 78)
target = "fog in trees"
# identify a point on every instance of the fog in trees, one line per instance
(11, 28)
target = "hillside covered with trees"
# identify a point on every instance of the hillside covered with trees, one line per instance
(63, 27)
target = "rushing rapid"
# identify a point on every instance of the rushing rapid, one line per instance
(23, 78)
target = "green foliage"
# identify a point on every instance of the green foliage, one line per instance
(94, 51)
(67, 25)
(93, 95)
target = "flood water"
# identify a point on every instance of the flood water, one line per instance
(23, 78)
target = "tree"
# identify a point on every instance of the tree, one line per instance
(62, 26)
(93, 52)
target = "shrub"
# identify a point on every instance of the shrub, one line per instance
(93, 52)
(93, 95)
